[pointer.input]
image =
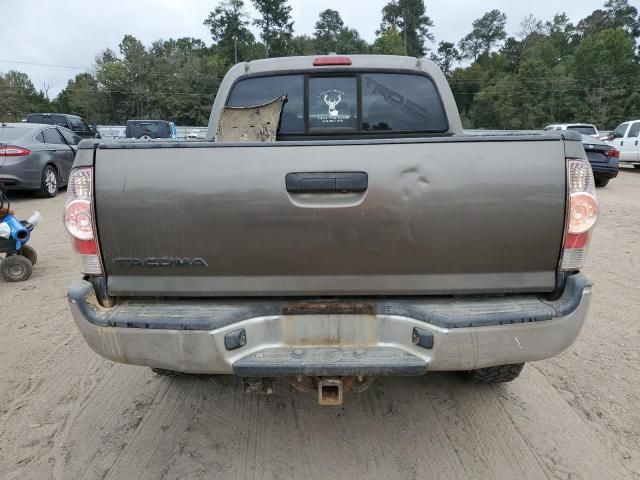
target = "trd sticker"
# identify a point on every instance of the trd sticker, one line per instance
(394, 98)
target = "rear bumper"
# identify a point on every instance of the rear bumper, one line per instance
(604, 171)
(327, 338)
(10, 182)
(20, 173)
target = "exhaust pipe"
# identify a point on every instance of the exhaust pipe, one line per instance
(330, 391)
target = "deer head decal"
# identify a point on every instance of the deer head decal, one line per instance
(332, 99)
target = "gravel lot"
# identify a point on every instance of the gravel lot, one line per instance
(66, 413)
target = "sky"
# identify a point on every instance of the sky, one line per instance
(72, 32)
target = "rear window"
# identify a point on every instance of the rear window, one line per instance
(8, 134)
(150, 129)
(368, 103)
(47, 119)
(59, 120)
(35, 119)
(401, 103)
(583, 129)
(333, 104)
(258, 91)
(77, 124)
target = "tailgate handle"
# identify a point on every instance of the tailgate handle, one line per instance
(327, 182)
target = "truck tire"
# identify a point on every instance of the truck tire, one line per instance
(16, 268)
(602, 182)
(498, 374)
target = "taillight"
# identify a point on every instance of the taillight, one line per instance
(13, 151)
(79, 220)
(612, 153)
(331, 60)
(582, 214)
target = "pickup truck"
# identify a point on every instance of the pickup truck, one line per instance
(365, 236)
(626, 139)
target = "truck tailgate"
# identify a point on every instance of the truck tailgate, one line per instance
(438, 216)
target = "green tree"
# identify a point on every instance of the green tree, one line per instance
(302, 45)
(350, 41)
(114, 80)
(562, 34)
(389, 42)
(493, 106)
(276, 27)
(328, 29)
(616, 14)
(530, 95)
(138, 63)
(18, 97)
(410, 18)
(174, 79)
(466, 83)
(512, 51)
(331, 35)
(82, 97)
(550, 72)
(106, 56)
(515, 101)
(446, 56)
(229, 29)
(470, 46)
(562, 102)
(606, 71)
(183, 79)
(487, 32)
(133, 51)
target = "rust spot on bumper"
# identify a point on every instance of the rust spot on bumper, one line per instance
(329, 307)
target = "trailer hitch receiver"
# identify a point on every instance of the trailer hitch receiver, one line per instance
(330, 391)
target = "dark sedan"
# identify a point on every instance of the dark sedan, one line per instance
(603, 159)
(36, 157)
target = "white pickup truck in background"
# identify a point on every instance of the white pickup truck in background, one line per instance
(626, 139)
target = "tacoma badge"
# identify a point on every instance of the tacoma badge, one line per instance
(160, 262)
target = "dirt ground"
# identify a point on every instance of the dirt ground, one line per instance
(66, 413)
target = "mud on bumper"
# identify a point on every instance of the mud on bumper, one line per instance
(370, 337)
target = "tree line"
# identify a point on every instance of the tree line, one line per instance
(549, 71)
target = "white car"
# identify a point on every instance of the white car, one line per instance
(626, 138)
(583, 128)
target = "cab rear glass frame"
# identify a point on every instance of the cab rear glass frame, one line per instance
(315, 133)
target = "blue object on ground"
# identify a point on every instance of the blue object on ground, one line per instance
(19, 232)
